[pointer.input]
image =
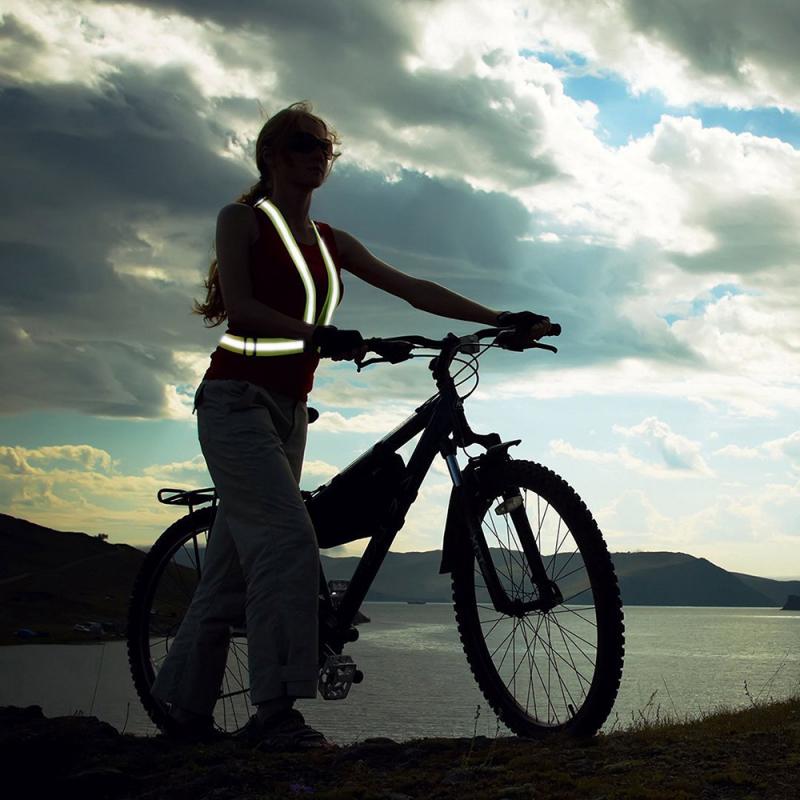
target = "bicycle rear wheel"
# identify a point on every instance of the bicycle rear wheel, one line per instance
(160, 598)
(542, 672)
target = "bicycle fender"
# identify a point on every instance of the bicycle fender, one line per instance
(455, 520)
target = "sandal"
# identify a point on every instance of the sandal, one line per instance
(285, 732)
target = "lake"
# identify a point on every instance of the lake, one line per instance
(417, 682)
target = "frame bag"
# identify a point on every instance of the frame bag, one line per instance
(352, 504)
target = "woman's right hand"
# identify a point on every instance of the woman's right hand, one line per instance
(336, 344)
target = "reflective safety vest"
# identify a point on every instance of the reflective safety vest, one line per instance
(250, 346)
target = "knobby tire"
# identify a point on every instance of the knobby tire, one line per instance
(574, 653)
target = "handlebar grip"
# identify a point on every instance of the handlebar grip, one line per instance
(394, 352)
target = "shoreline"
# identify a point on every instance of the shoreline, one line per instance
(63, 634)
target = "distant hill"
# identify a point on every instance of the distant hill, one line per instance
(777, 591)
(656, 578)
(50, 580)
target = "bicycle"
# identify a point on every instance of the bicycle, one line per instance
(542, 589)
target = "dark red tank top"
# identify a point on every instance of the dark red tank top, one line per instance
(277, 283)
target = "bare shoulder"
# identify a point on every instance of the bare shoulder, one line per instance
(237, 220)
(344, 241)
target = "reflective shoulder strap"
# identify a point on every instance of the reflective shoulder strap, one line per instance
(333, 296)
(297, 257)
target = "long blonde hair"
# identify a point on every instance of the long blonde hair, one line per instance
(270, 138)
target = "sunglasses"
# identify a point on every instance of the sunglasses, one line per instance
(303, 142)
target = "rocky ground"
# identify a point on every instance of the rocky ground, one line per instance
(753, 753)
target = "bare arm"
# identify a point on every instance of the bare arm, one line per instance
(422, 294)
(236, 230)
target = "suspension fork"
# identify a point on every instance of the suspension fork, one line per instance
(466, 492)
(549, 593)
(513, 505)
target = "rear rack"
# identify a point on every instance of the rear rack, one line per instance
(190, 497)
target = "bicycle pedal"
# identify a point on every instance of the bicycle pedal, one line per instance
(336, 677)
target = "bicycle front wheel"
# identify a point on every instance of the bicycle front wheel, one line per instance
(161, 596)
(542, 672)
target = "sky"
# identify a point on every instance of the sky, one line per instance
(631, 168)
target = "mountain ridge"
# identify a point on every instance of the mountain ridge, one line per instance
(52, 579)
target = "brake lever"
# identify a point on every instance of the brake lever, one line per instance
(545, 347)
(509, 339)
(362, 364)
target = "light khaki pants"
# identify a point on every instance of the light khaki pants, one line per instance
(262, 560)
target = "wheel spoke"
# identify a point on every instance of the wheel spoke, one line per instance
(561, 684)
(564, 566)
(573, 636)
(572, 572)
(500, 645)
(554, 652)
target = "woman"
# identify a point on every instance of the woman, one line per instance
(280, 276)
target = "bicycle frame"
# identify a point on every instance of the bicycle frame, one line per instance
(438, 418)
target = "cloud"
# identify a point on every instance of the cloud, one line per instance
(720, 52)
(735, 451)
(677, 452)
(787, 447)
(178, 469)
(21, 460)
(749, 528)
(622, 457)
(678, 456)
(319, 469)
(379, 421)
(742, 395)
(56, 485)
(735, 50)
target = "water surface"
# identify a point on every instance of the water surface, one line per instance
(684, 661)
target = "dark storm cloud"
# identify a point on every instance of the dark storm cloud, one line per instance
(88, 173)
(354, 55)
(753, 235)
(440, 218)
(81, 171)
(16, 33)
(719, 37)
(139, 137)
(369, 27)
(471, 242)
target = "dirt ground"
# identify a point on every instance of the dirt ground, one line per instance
(754, 753)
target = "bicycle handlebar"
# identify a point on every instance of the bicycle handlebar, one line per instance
(395, 349)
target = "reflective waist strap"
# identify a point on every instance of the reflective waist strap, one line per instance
(252, 346)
